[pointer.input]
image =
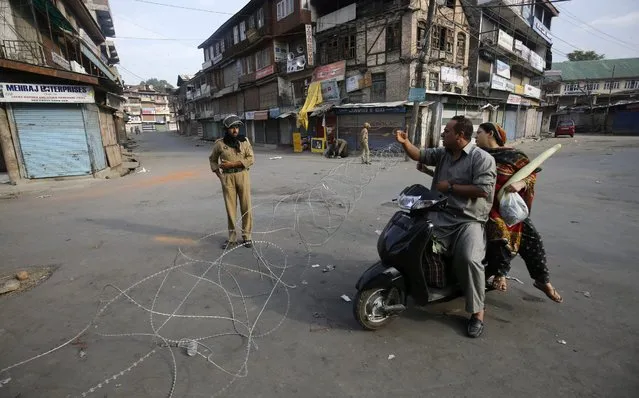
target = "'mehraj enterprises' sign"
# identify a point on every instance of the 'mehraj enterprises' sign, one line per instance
(42, 93)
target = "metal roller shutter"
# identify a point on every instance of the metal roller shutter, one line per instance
(52, 139)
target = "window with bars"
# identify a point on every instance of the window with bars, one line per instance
(378, 89)
(611, 86)
(571, 87)
(461, 49)
(632, 84)
(592, 86)
(433, 81)
(338, 48)
(393, 37)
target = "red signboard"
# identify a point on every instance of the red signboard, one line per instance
(269, 70)
(335, 70)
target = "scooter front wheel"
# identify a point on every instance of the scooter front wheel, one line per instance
(370, 307)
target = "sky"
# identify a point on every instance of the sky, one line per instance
(159, 41)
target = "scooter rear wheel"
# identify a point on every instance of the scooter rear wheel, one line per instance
(368, 307)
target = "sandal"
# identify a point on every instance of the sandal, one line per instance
(499, 283)
(549, 291)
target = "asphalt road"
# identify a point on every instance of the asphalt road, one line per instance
(300, 338)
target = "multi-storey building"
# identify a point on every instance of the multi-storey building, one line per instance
(599, 96)
(372, 49)
(511, 41)
(58, 88)
(147, 108)
(247, 67)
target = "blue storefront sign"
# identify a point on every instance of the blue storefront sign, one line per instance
(273, 113)
(368, 110)
(417, 94)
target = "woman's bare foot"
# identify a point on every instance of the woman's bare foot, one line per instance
(500, 283)
(549, 291)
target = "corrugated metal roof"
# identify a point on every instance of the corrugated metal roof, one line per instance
(322, 109)
(597, 70)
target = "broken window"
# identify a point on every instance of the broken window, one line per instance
(393, 37)
(337, 48)
(442, 39)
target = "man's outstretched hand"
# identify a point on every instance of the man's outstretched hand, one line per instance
(401, 136)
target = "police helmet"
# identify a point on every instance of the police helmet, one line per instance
(231, 121)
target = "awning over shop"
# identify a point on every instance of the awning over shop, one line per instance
(322, 109)
(287, 114)
(97, 61)
(377, 107)
(56, 17)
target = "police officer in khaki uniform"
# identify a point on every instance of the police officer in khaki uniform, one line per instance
(231, 159)
(363, 141)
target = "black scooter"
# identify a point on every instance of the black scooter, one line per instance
(383, 289)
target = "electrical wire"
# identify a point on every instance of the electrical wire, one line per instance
(592, 29)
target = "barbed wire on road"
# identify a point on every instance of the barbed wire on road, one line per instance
(242, 287)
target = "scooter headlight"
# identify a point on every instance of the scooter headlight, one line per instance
(407, 202)
(424, 204)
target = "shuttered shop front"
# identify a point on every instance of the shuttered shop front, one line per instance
(380, 134)
(53, 139)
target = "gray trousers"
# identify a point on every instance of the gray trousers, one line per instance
(467, 244)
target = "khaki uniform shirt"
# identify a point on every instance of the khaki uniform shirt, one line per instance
(363, 137)
(221, 151)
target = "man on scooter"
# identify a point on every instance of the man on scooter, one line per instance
(466, 174)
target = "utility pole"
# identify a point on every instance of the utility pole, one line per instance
(423, 58)
(605, 126)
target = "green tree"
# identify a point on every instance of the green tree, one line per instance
(159, 85)
(579, 55)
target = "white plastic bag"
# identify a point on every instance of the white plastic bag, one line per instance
(512, 208)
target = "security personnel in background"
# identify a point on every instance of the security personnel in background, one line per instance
(363, 141)
(341, 148)
(231, 159)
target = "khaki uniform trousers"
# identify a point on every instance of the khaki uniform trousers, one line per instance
(234, 186)
(366, 152)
